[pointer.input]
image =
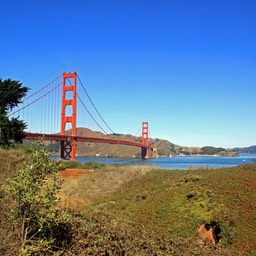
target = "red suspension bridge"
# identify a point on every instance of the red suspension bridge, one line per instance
(41, 112)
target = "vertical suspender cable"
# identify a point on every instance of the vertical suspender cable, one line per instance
(94, 105)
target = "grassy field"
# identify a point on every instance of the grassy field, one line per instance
(138, 210)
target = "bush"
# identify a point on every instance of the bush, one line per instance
(78, 165)
(32, 198)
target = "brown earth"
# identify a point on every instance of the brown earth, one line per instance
(74, 173)
(81, 187)
(71, 178)
(206, 234)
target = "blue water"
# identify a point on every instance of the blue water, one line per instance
(179, 162)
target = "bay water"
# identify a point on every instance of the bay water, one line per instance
(178, 162)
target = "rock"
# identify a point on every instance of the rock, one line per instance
(207, 233)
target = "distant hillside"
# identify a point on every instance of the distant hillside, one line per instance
(208, 150)
(246, 150)
(164, 147)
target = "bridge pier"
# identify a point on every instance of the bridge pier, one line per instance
(144, 153)
(68, 150)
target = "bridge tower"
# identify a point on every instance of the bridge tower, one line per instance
(144, 150)
(68, 148)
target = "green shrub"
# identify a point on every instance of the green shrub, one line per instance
(32, 194)
(75, 165)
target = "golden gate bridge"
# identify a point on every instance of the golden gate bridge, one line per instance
(41, 111)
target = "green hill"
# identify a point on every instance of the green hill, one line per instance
(117, 210)
(245, 150)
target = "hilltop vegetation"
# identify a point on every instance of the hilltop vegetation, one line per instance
(246, 150)
(11, 129)
(208, 150)
(115, 210)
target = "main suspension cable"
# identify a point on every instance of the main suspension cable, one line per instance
(90, 114)
(34, 100)
(42, 88)
(94, 105)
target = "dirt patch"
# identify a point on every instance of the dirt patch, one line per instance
(69, 198)
(74, 173)
(81, 187)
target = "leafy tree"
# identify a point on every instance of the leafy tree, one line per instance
(33, 202)
(11, 130)
(209, 150)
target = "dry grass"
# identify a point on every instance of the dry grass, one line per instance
(138, 210)
(11, 161)
(79, 191)
(9, 241)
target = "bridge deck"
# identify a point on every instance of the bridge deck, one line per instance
(58, 137)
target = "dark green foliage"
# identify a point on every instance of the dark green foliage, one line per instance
(94, 165)
(98, 236)
(33, 200)
(246, 150)
(77, 165)
(11, 94)
(208, 150)
(116, 134)
(11, 130)
(53, 147)
(186, 153)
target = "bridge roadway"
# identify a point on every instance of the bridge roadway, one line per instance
(58, 137)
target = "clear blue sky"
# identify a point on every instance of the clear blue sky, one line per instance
(188, 67)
